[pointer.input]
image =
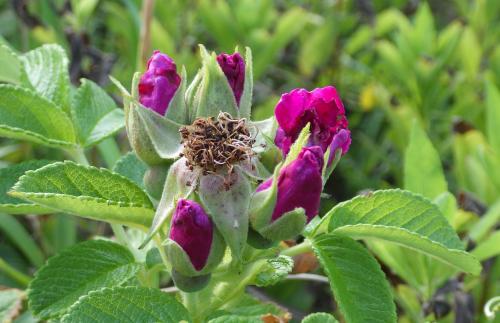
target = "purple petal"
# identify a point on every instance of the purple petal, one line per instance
(233, 67)
(192, 229)
(159, 83)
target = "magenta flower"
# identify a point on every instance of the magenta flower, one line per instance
(192, 230)
(233, 67)
(299, 184)
(159, 83)
(322, 108)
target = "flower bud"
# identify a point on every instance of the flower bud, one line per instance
(296, 198)
(233, 67)
(159, 83)
(194, 246)
(322, 108)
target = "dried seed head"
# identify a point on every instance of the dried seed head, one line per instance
(218, 143)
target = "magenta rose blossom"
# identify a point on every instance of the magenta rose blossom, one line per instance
(299, 184)
(159, 83)
(322, 108)
(233, 67)
(192, 230)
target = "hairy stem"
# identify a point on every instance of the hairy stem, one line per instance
(298, 249)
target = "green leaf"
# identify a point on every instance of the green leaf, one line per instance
(358, 284)
(11, 66)
(493, 116)
(11, 301)
(319, 318)
(8, 177)
(275, 270)
(127, 304)
(87, 191)
(47, 71)
(95, 114)
(231, 318)
(228, 206)
(423, 172)
(163, 132)
(27, 116)
(406, 219)
(85, 267)
(489, 248)
(132, 168)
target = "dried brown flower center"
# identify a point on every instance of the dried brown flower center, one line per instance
(216, 143)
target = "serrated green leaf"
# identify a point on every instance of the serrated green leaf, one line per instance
(406, 219)
(47, 71)
(95, 114)
(275, 270)
(228, 207)
(358, 284)
(423, 172)
(85, 267)
(11, 66)
(87, 191)
(8, 177)
(319, 318)
(132, 168)
(10, 304)
(27, 116)
(127, 304)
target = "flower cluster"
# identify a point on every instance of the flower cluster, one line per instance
(210, 198)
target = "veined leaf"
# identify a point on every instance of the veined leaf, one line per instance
(406, 219)
(88, 192)
(319, 318)
(358, 284)
(276, 270)
(27, 116)
(95, 114)
(132, 168)
(8, 177)
(127, 304)
(47, 70)
(75, 272)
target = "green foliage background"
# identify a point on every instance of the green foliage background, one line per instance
(420, 81)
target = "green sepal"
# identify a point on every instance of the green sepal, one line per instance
(177, 110)
(246, 97)
(228, 206)
(136, 130)
(154, 180)
(262, 203)
(257, 241)
(192, 100)
(288, 226)
(213, 93)
(182, 264)
(190, 284)
(328, 169)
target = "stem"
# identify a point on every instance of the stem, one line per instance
(14, 273)
(298, 249)
(78, 155)
(110, 151)
(306, 276)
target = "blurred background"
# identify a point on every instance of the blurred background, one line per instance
(392, 61)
